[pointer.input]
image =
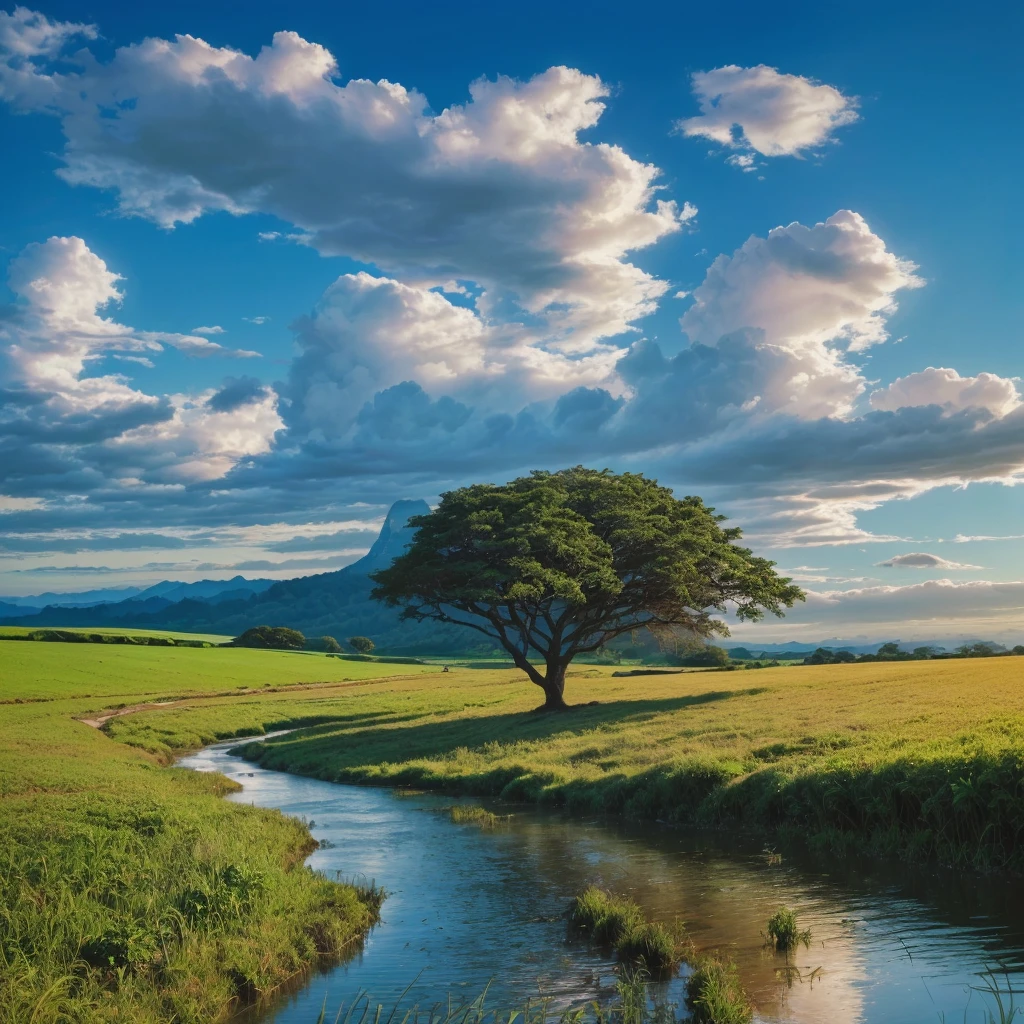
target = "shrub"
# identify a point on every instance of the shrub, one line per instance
(361, 644)
(327, 644)
(276, 637)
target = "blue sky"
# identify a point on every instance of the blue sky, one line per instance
(407, 286)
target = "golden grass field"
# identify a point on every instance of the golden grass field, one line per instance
(129, 891)
(924, 758)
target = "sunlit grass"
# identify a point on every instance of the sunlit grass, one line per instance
(921, 758)
(131, 891)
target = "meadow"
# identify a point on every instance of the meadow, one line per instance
(131, 891)
(919, 759)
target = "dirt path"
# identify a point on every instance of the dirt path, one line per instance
(100, 720)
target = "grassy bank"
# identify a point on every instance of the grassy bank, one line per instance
(130, 891)
(924, 759)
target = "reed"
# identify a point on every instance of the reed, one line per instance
(783, 933)
(462, 814)
(714, 994)
(620, 924)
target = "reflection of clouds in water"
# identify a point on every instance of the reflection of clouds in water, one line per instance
(467, 906)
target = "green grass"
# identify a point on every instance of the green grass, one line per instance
(783, 933)
(479, 816)
(46, 670)
(213, 638)
(714, 994)
(619, 923)
(921, 759)
(130, 891)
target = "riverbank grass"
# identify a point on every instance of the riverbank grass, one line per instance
(920, 759)
(133, 892)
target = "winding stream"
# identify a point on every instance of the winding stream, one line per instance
(466, 906)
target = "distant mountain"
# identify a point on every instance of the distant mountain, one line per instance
(335, 604)
(82, 599)
(13, 611)
(238, 587)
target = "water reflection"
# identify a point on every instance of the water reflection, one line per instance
(468, 906)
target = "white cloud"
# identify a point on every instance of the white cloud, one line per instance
(936, 608)
(923, 560)
(208, 330)
(368, 334)
(198, 442)
(805, 287)
(53, 336)
(770, 113)
(962, 538)
(499, 191)
(946, 388)
(9, 504)
(256, 319)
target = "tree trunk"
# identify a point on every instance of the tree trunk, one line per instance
(554, 687)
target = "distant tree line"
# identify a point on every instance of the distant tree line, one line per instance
(891, 652)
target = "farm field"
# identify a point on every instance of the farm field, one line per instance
(923, 759)
(130, 891)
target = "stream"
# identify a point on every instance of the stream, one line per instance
(467, 907)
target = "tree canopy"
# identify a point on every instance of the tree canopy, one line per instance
(278, 637)
(557, 564)
(361, 644)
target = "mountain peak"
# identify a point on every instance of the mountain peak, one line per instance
(395, 535)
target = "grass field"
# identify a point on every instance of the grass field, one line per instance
(98, 671)
(213, 638)
(130, 891)
(925, 759)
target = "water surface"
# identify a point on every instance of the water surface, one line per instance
(467, 907)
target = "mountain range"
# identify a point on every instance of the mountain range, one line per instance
(168, 591)
(334, 604)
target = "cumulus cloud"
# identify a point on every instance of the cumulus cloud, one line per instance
(765, 112)
(945, 388)
(51, 340)
(498, 190)
(371, 334)
(490, 333)
(923, 560)
(805, 287)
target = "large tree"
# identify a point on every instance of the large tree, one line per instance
(557, 564)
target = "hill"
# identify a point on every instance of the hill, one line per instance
(334, 603)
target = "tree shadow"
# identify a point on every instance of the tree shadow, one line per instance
(349, 741)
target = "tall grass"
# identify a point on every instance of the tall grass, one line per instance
(892, 757)
(714, 994)
(631, 1005)
(782, 932)
(134, 893)
(461, 814)
(619, 923)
